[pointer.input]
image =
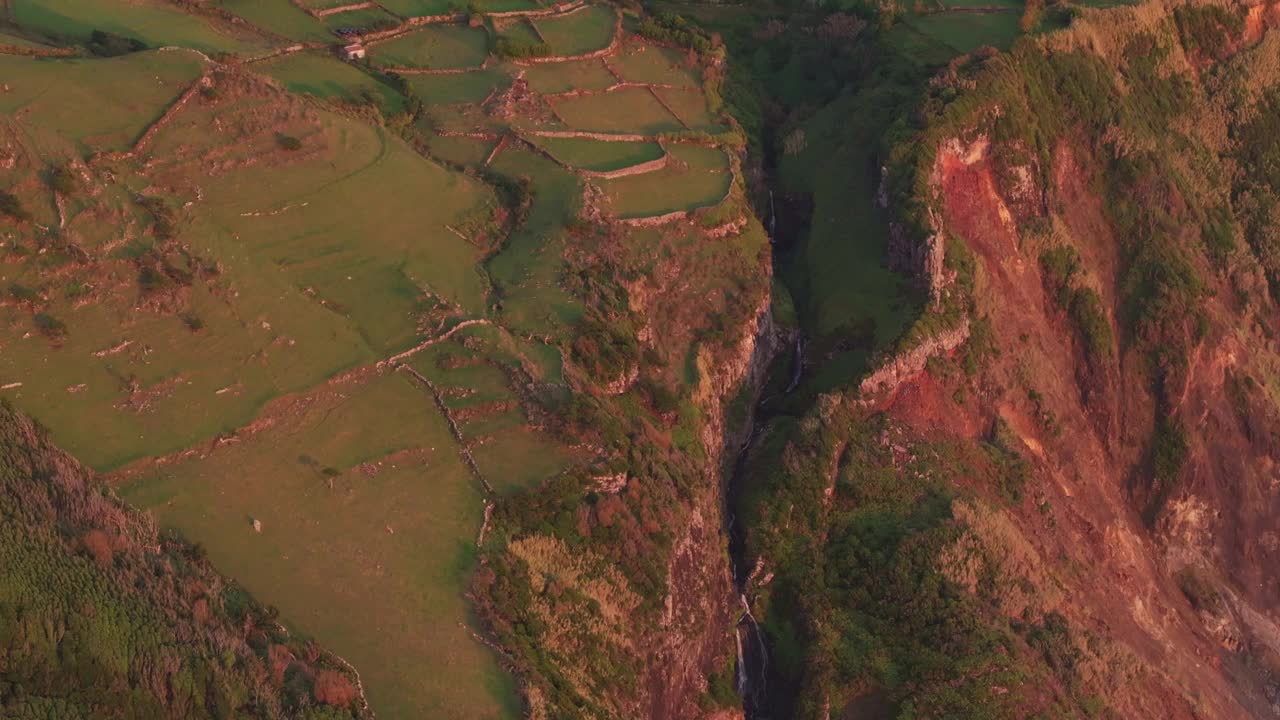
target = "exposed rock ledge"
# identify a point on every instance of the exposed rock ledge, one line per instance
(904, 366)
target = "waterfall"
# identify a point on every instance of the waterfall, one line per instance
(798, 370)
(759, 636)
(773, 219)
(742, 664)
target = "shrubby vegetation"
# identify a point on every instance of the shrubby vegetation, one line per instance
(674, 29)
(916, 639)
(10, 205)
(519, 49)
(1061, 265)
(109, 44)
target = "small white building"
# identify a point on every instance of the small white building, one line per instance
(354, 51)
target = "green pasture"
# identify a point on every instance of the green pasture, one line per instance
(506, 5)
(966, 32)
(511, 455)
(847, 285)
(464, 151)
(126, 94)
(581, 32)
(517, 30)
(690, 105)
(364, 19)
(526, 272)
(464, 118)
(548, 78)
(12, 40)
(699, 157)
(322, 75)
(365, 229)
(350, 238)
(656, 65)
(600, 156)
(326, 4)
(665, 191)
(1012, 5)
(417, 8)
(630, 110)
(371, 561)
(448, 46)
(154, 22)
(468, 87)
(280, 17)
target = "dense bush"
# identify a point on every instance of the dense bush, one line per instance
(1208, 28)
(518, 49)
(1062, 266)
(670, 28)
(10, 205)
(109, 44)
(49, 326)
(63, 180)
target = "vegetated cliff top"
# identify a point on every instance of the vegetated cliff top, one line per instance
(1072, 513)
(101, 616)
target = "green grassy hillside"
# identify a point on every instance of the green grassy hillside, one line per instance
(100, 616)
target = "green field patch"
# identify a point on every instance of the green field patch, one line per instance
(630, 110)
(600, 156)
(280, 17)
(506, 5)
(665, 191)
(418, 8)
(368, 523)
(657, 65)
(362, 21)
(126, 94)
(325, 263)
(548, 78)
(581, 32)
(13, 40)
(322, 75)
(1017, 5)
(448, 46)
(699, 157)
(527, 269)
(848, 287)
(154, 22)
(464, 151)
(326, 4)
(691, 107)
(371, 241)
(520, 458)
(468, 87)
(966, 32)
(517, 30)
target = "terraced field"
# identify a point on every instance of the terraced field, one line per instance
(314, 315)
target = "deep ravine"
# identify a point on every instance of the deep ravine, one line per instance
(753, 681)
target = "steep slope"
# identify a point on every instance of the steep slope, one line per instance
(101, 616)
(1055, 493)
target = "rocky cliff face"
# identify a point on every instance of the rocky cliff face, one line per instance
(701, 602)
(1155, 448)
(1080, 484)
